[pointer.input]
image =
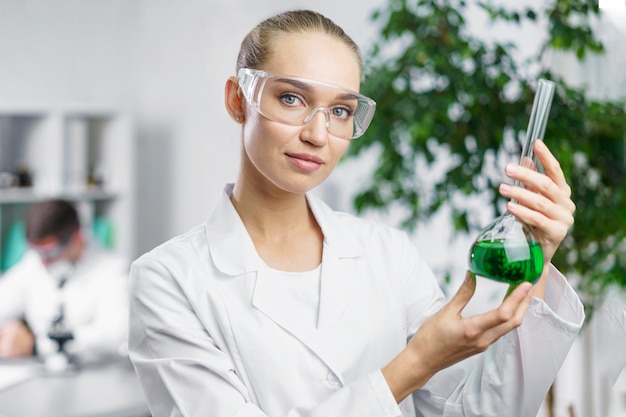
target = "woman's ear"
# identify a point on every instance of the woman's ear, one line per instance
(233, 99)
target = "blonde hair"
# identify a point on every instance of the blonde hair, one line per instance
(257, 45)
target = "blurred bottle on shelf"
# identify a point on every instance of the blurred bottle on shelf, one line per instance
(24, 176)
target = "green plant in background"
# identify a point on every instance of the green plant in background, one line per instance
(443, 91)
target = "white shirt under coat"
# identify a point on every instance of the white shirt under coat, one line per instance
(210, 337)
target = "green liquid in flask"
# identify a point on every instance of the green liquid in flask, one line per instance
(508, 261)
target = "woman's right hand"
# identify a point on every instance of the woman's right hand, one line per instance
(447, 337)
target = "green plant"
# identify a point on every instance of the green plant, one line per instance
(443, 91)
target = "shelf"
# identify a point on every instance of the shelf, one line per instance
(82, 153)
(28, 195)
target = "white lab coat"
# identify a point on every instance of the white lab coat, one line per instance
(95, 297)
(208, 337)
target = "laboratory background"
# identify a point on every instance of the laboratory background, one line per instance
(120, 103)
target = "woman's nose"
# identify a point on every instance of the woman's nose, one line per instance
(316, 125)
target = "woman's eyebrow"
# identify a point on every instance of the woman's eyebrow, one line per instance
(307, 87)
(296, 83)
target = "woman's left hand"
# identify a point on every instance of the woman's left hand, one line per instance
(544, 202)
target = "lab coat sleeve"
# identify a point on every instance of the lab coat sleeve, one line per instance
(108, 329)
(513, 376)
(13, 285)
(184, 372)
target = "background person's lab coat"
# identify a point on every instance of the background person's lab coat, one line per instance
(209, 336)
(95, 298)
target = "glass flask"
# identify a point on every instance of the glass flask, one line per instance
(506, 250)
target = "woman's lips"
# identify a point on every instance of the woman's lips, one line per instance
(306, 162)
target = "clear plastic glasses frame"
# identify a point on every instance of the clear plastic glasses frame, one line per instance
(51, 248)
(295, 101)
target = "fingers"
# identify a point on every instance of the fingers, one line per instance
(505, 318)
(535, 185)
(463, 294)
(512, 311)
(447, 337)
(478, 332)
(552, 185)
(533, 208)
(548, 195)
(556, 219)
(542, 205)
(552, 167)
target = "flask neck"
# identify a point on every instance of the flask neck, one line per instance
(537, 123)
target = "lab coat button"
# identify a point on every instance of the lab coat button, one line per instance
(332, 380)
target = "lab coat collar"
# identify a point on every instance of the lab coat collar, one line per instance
(232, 249)
(233, 253)
(230, 246)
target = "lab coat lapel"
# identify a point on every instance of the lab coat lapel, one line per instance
(339, 285)
(337, 289)
(336, 294)
(265, 299)
(233, 253)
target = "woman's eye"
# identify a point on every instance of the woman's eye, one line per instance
(341, 112)
(290, 99)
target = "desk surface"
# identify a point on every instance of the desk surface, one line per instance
(108, 389)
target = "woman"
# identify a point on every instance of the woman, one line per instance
(279, 306)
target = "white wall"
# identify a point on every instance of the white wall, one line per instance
(59, 51)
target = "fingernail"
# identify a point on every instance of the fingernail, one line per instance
(505, 188)
(469, 277)
(511, 169)
(527, 287)
(511, 206)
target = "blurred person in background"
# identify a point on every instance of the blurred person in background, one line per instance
(66, 294)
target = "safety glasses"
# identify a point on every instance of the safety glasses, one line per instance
(50, 249)
(295, 101)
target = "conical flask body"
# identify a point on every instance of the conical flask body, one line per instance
(506, 251)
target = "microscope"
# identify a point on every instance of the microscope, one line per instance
(59, 361)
